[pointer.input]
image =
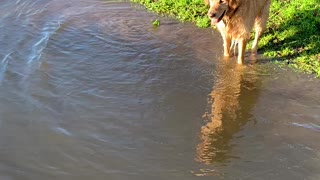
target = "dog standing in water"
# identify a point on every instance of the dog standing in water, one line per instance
(235, 19)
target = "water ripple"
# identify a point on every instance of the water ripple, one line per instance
(47, 31)
(63, 131)
(310, 126)
(4, 64)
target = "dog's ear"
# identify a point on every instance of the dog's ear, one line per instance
(206, 2)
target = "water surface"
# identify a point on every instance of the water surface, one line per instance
(91, 90)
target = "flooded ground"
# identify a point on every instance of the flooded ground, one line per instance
(90, 90)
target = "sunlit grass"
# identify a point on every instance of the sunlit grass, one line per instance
(293, 33)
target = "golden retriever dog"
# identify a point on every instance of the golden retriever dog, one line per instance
(235, 19)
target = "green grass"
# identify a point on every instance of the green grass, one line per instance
(293, 30)
(184, 10)
(293, 34)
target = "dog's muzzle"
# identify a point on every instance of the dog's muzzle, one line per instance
(214, 19)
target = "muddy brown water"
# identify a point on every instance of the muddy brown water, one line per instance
(91, 90)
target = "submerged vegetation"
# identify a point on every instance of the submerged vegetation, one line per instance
(156, 23)
(293, 31)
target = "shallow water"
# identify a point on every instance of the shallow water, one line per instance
(90, 90)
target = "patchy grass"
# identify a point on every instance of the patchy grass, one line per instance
(293, 34)
(293, 31)
(184, 10)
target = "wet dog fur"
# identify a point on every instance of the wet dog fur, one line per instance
(235, 19)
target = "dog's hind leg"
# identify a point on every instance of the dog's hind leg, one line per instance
(260, 25)
(233, 46)
(259, 28)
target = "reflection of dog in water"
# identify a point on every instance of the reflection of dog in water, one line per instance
(230, 105)
(235, 19)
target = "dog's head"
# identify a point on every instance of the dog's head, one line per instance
(218, 8)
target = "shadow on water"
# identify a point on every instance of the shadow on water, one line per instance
(230, 104)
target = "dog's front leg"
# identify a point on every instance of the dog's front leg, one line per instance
(241, 50)
(226, 38)
(226, 45)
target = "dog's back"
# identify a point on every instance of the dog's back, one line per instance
(248, 13)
